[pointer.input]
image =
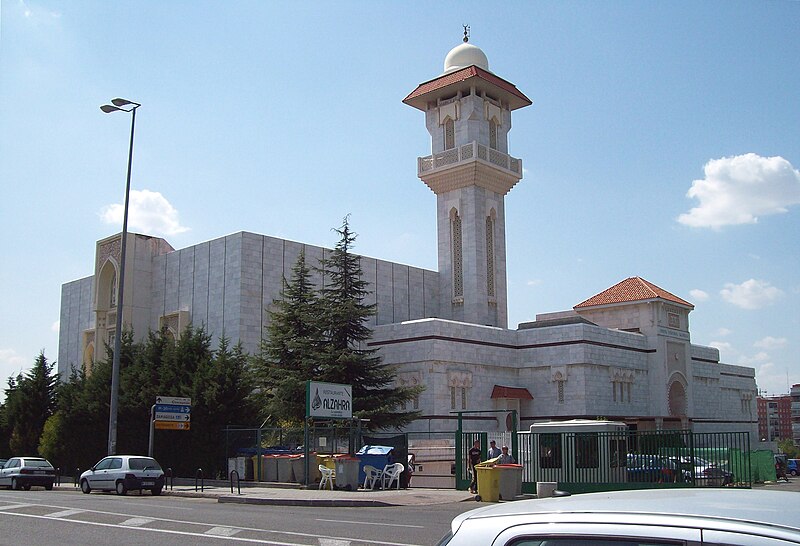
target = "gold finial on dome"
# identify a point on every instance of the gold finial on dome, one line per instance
(466, 33)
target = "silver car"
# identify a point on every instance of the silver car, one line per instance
(24, 472)
(123, 473)
(655, 517)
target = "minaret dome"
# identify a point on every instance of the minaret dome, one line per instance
(464, 55)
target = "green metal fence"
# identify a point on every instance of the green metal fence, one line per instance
(603, 461)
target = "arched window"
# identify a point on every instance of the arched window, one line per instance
(449, 134)
(457, 255)
(493, 134)
(490, 254)
(113, 295)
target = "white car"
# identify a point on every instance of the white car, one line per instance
(655, 517)
(123, 473)
(24, 472)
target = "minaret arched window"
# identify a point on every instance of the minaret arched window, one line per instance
(457, 255)
(449, 134)
(490, 254)
(493, 134)
(113, 295)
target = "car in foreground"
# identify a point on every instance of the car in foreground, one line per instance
(123, 473)
(652, 517)
(25, 472)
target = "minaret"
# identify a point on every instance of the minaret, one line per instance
(468, 115)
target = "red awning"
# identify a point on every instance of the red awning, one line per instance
(521, 393)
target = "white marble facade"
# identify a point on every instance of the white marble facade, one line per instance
(614, 356)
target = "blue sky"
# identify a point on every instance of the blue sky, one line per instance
(662, 143)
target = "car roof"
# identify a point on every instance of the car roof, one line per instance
(774, 508)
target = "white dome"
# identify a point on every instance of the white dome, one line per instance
(464, 55)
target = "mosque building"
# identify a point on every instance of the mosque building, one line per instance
(623, 354)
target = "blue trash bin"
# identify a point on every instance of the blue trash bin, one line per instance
(377, 456)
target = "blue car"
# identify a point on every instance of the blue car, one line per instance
(791, 466)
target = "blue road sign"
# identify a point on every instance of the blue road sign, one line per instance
(171, 408)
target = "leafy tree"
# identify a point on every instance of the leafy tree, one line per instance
(30, 400)
(290, 354)
(345, 357)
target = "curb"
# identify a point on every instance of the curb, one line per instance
(329, 503)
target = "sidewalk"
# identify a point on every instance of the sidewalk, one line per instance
(291, 495)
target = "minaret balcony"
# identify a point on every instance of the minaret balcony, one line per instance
(467, 153)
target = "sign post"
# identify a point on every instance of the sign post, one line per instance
(324, 401)
(169, 413)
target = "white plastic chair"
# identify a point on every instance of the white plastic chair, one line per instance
(372, 476)
(391, 472)
(328, 474)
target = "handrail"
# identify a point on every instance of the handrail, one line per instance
(238, 483)
(169, 478)
(198, 475)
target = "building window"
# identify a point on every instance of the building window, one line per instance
(490, 255)
(463, 398)
(587, 450)
(560, 383)
(449, 134)
(614, 390)
(492, 134)
(416, 402)
(452, 398)
(113, 296)
(454, 395)
(550, 450)
(458, 259)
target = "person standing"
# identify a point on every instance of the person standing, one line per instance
(474, 457)
(494, 451)
(505, 457)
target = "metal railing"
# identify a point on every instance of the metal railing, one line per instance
(238, 484)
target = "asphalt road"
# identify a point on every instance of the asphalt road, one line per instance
(39, 517)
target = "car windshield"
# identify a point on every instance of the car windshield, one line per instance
(140, 463)
(38, 463)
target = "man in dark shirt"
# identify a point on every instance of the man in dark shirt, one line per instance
(474, 455)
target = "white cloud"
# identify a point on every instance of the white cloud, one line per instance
(751, 294)
(722, 331)
(698, 295)
(534, 282)
(56, 326)
(150, 213)
(770, 342)
(771, 380)
(725, 349)
(740, 189)
(11, 363)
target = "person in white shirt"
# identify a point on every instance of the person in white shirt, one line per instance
(494, 451)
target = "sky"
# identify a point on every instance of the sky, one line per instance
(662, 143)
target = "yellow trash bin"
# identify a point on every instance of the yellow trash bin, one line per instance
(488, 483)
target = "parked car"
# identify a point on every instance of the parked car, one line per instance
(735, 517)
(25, 472)
(703, 472)
(123, 473)
(792, 466)
(652, 468)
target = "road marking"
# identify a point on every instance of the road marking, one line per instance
(222, 531)
(136, 522)
(65, 513)
(196, 523)
(372, 523)
(333, 542)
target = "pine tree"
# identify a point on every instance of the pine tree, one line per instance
(30, 400)
(290, 355)
(345, 357)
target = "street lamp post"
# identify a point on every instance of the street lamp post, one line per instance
(119, 105)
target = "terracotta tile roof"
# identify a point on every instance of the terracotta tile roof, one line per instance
(522, 393)
(462, 75)
(630, 290)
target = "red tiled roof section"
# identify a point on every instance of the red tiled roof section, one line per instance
(630, 290)
(521, 393)
(462, 75)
